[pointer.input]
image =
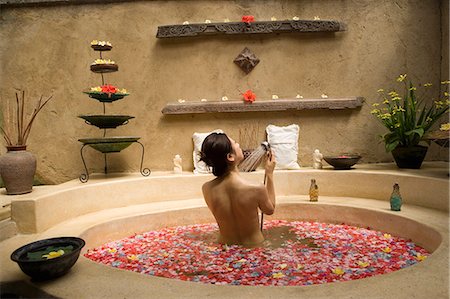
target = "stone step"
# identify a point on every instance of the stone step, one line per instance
(8, 229)
(5, 212)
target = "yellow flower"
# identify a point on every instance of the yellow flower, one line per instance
(413, 88)
(401, 78)
(386, 101)
(445, 127)
(53, 254)
(387, 236)
(420, 257)
(396, 98)
(397, 125)
(363, 264)
(282, 266)
(393, 94)
(112, 250)
(97, 89)
(428, 119)
(385, 116)
(132, 257)
(427, 84)
(375, 111)
(338, 271)
(446, 94)
(400, 109)
(445, 82)
(278, 275)
(300, 267)
(375, 104)
(380, 90)
(387, 249)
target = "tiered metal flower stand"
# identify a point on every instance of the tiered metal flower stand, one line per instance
(104, 121)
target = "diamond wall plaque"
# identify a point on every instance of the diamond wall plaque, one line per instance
(246, 60)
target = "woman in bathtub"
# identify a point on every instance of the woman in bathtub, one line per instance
(233, 201)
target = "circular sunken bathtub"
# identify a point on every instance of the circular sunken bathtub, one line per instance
(290, 208)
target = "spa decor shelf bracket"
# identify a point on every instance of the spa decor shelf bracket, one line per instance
(107, 94)
(243, 28)
(262, 105)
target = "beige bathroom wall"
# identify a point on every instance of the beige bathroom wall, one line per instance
(46, 50)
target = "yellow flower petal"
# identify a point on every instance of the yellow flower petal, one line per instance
(445, 127)
(278, 275)
(53, 254)
(363, 264)
(420, 257)
(401, 78)
(387, 249)
(338, 271)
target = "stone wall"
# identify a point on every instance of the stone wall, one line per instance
(46, 50)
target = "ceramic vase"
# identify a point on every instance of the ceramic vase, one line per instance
(409, 157)
(17, 169)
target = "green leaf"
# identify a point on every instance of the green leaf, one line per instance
(418, 131)
(391, 146)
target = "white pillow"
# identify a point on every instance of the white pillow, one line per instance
(198, 138)
(284, 143)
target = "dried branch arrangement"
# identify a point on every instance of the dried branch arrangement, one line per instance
(19, 125)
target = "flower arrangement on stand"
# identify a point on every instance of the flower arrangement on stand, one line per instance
(408, 118)
(107, 93)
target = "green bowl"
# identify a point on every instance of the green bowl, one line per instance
(106, 121)
(109, 144)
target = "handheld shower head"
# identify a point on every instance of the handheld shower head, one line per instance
(265, 145)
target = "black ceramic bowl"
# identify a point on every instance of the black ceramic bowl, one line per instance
(342, 161)
(106, 121)
(43, 269)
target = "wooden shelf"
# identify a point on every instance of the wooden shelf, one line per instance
(261, 27)
(262, 105)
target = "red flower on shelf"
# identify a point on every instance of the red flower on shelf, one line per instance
(108, 88)
(248, 19)
(343, 157)
(249, 96)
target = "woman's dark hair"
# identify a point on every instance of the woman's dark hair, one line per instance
(215, 149)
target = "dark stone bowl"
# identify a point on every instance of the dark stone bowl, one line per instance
(48, 268)
(342, 161)
(109, 144)
(106, 121)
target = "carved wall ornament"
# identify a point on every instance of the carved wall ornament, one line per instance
(257, 27)
(246, 60)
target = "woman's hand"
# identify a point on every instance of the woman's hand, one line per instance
(270, 162)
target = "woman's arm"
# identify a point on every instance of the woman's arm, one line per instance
(267, 196)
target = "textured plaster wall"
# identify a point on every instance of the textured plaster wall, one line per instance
(45, 50)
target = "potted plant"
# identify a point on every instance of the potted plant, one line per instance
(18, 166)
(408, 117)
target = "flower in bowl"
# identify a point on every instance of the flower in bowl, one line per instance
(107, 93)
